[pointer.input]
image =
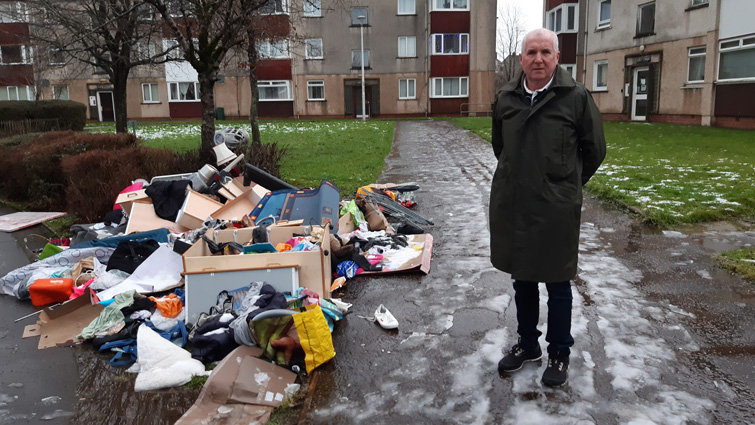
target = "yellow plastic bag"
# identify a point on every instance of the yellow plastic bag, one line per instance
(314, 336)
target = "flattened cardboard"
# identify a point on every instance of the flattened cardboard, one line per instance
(260, 382)
(195, 210)
(241, 205)
(125, 200)
(31, 330)
(144, 218)
(420, 262)
(218, 389)
(60, 324)
(346, 224)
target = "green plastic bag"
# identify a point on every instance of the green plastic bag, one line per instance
(356, 213)
(49, 250)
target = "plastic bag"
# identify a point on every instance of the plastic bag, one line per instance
(356, 213)
(314, 337)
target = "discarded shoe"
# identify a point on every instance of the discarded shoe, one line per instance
(557, 372)
(516, 357)
(385, 318)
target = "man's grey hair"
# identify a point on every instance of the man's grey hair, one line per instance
(542, 31)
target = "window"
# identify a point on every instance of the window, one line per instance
(57, 57)
(600, 76)
(407, 88)
(316, 90)
(699, 2)
(184, 91)
(356, 12)
(450, 44)
(12, 12)
(737, 59)
(273, 7)
(407, 47)
(12, 55)
(16, 93)
(450, 87)
(646, 19)
(150, 93)
(273, 49)
(313, 48)
(563, 18)
(696, 68)
(356, 59)
(312, 8)
(450, 5)
(406, 7)
(571, 69)
(274, 90)
(604, 14)
(146, 50)
(104, 61)
(60, 93)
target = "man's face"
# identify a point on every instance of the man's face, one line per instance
(539, 60)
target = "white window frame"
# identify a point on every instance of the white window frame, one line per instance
(564, 24)
(698, 2)
(178, 87)
(312, 8)
(571, 68)
(597, 64)
(604, 23)
(313, 84)
(61, 92)
(358, 53)
(52, 52)
(451, 6)
(733, 45)
(16, 12)
(463, 87)
(692, 53)
(283, 11)
(639, 18)
(273, 50)
(146, 50)
(463, 43)
(310, 42)
(411, 88)
(7, 89)
(276, 83)
(25, 55)
(151, 98)
(407, 42)
(354, 19)
(409, 7)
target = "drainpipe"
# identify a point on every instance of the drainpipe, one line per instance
(584, 44)
(427, 59)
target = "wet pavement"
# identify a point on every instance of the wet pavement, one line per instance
(662, 335)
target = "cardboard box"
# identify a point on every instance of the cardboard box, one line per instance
(125, 200)
(241, 205)
(420, 262)
(144, 218)
(196, 209)
(314, 266)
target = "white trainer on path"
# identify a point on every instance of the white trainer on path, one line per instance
(385, 318)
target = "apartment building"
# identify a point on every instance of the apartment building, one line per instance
(421, 57)
(677, 61)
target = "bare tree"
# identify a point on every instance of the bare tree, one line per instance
(113, 36)
(509, 33)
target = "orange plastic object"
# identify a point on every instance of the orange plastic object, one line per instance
(169, 306)
(48, 291)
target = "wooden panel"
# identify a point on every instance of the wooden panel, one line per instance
(185, 109)
(274, 69)
(447, 106)
(16, 75)
(273, 26)
(449, 66)
(282, 109)
(16, 33)
(567, 44)
(449, 22)
(735, 100)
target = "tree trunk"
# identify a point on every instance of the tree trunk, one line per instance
(120, 80)
(207, 95)
(253, 111)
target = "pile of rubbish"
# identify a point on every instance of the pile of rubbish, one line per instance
(227, 265)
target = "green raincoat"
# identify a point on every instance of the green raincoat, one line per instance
(545, 152)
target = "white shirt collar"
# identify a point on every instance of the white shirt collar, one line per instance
(536, 92)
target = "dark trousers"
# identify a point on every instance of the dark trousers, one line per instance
(559, 315)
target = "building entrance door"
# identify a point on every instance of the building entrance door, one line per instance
(358, 100)
(106, 106)
(640, 93)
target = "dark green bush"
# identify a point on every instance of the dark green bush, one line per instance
(71, 115)
(266, 157)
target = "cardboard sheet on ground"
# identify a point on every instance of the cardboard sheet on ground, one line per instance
(230, 394)
(21, 220)
(413, 261)
(59, 325)
(160, 271)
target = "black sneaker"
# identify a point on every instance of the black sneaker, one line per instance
(519, 354)
(557, 372)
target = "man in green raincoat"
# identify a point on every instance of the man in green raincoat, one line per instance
(548, 138)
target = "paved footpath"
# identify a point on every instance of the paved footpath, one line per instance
(662, 337)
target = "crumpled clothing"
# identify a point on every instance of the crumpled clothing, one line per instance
(283, 247)
(140, 315)
(110, 315)
(169, 305)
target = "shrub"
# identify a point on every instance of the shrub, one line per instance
(266, 156)
(95, 178)
(70, 115)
